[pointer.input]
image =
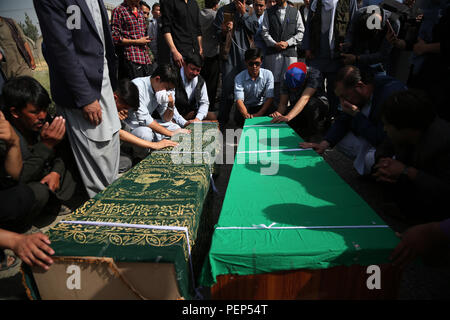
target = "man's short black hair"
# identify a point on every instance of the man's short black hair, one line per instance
(195, 59)
(168, 73)
(351, 75)
(128, 93)
(155, 5)
(145, 4)
(209, 4)
(253, 53)
(410, 109)
(20, 91)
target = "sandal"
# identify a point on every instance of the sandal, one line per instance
(6, 264)
(64, 211)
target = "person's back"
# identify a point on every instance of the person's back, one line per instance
(415, 156)
(211, 68)
(369, 47)
(209, 39)
(17, 57)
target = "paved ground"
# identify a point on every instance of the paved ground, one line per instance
(419, 281)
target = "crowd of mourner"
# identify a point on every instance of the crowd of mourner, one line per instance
(369, 78)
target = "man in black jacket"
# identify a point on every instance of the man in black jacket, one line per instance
(358, 130)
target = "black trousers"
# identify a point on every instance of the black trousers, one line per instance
(333, 100)
(22, 204)
(210, 73)
(17, 203)
(133, 70)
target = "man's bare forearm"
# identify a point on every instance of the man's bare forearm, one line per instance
(136, 141)
(155, 126)
(241, 107)
(169, 41)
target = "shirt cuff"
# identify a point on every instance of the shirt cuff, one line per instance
(291, 42)
(271, 42)
(201, 114)
(146, 121)
(182, 122)
(238, 96)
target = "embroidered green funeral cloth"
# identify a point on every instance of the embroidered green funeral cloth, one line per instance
(285, 208)
(150, 214)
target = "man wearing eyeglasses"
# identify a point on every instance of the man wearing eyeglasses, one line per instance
(253, 89)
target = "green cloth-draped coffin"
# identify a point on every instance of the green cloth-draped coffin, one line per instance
(156, 192)
(272, 195)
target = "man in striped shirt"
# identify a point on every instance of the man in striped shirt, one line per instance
(129, 32)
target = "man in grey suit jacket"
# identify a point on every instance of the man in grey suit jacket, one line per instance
(79, 50)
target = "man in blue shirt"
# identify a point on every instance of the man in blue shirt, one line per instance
(253, 89)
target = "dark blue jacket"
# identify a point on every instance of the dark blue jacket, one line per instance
(371, 128)
(75, 57)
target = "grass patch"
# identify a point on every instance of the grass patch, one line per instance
(41, 74)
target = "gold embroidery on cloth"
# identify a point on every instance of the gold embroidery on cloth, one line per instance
(154, 192)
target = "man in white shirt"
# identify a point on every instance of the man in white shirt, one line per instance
(282, 30)
(141, 122)
(191, 93)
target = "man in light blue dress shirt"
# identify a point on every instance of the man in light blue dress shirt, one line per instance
(253, 89)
